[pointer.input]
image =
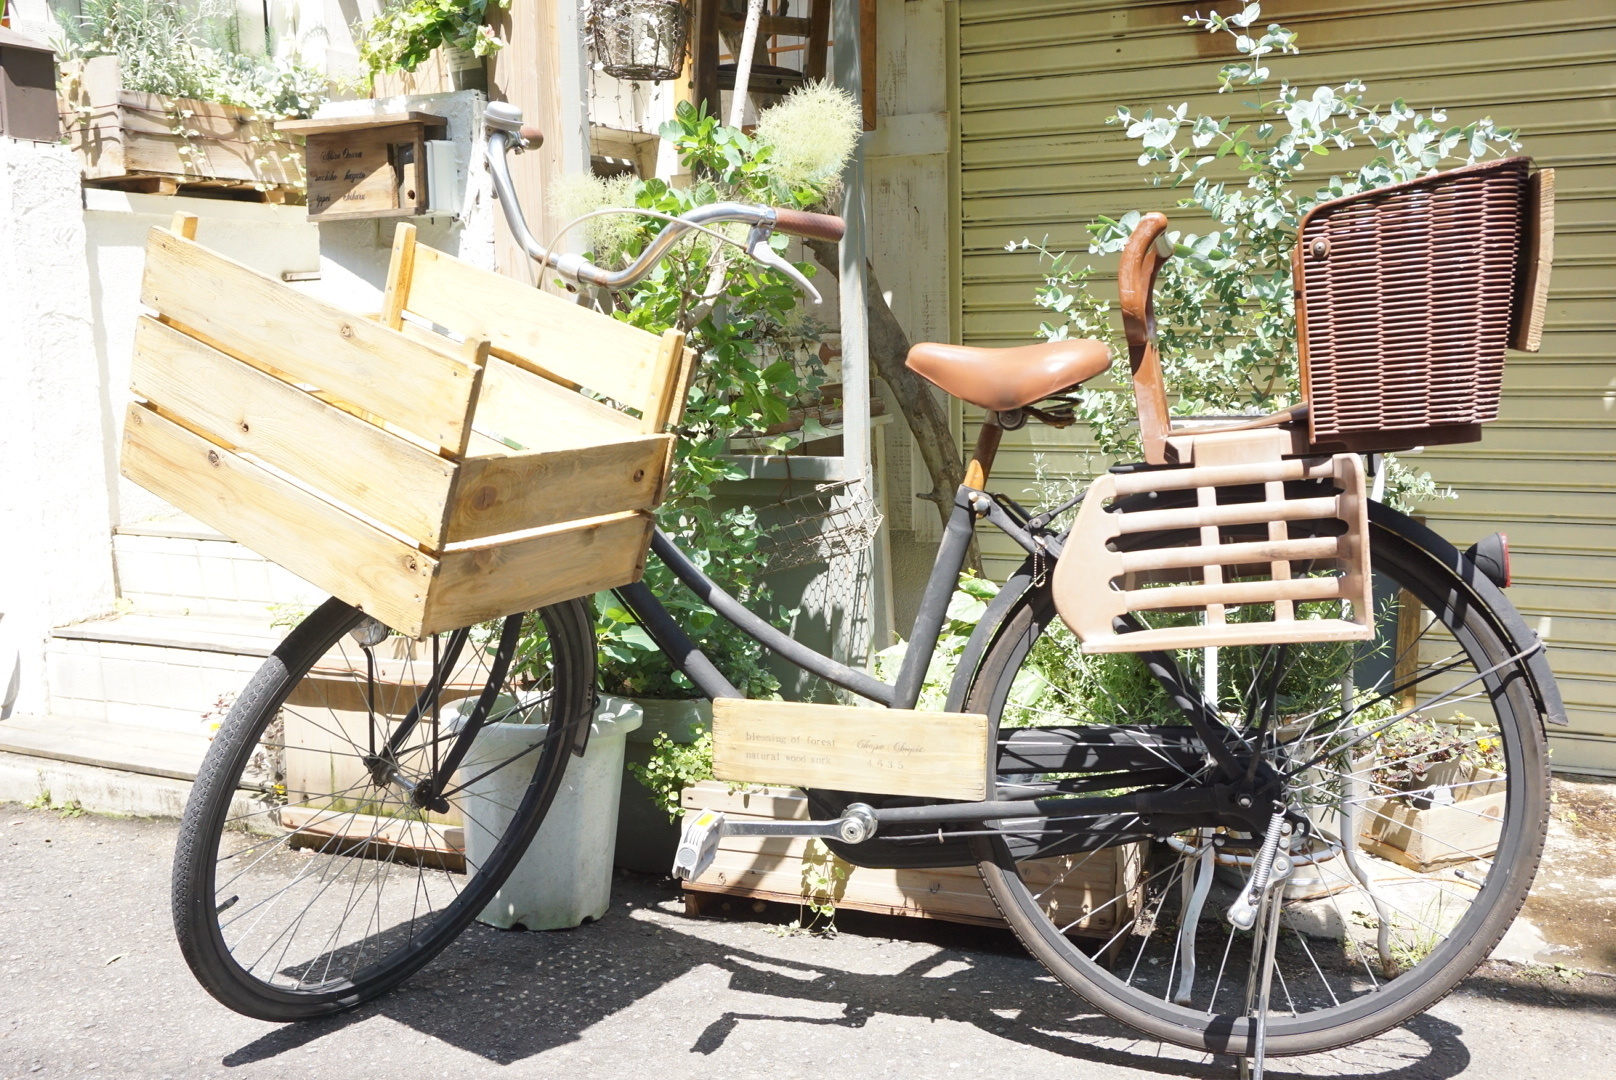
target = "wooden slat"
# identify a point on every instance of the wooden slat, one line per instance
(537, 414)
(376, 473)
(313, 539)
(884, 751)
(1230, 514)
(1539, 256)
(1235, 592)
(667, 386)
(771, 868)
(559, 562)
(503, 493)
(1322, 547)
(1253, 633)
(325, 125)
(552, 336)
(428, 390)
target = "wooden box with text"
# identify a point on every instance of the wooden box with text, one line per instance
(430, 481)
(366, 166)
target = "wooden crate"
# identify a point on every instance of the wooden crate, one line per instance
(430, 482)
(772, 868)
(149, 142)
(366, 166)
(1441, 834)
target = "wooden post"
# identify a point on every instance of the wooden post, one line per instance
(539, 72)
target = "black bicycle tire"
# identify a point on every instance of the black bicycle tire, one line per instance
(1520, 850)
(195, 922)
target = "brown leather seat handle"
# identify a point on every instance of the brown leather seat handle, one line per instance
(813, 226)
(1142, 260)
(531, 136)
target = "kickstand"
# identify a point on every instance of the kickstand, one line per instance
(1251, 1065)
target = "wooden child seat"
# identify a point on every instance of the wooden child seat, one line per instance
(1407, 298)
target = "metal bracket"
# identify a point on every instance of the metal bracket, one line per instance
(699, 843)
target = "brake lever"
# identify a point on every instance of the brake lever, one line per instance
(757, 246)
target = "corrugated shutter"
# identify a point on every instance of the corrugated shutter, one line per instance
(1037, 79)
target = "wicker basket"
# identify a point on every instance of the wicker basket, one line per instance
(1408, 297)
(430, 481)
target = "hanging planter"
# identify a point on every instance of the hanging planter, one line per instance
(641, 40)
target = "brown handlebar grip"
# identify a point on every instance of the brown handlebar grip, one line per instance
(813, 226)
(532, 136)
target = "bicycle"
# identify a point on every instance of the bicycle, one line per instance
(1167, 712)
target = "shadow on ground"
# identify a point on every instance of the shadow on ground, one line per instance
(483, 996)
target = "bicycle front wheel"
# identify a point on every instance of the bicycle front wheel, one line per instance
(309, 875)
(1424, 838)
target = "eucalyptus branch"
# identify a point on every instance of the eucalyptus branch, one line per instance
(1226, 323)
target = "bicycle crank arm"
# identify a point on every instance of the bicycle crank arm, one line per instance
(699, 843)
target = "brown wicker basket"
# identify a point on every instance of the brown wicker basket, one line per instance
(1409, 295)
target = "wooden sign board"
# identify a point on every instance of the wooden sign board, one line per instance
(880, 751)
(366, 167)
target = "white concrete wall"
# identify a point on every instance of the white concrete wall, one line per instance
(55, 510)
(270, 239)
(350, 257)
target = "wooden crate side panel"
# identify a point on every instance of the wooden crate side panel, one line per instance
(505, 493)
(211, 159)
(559, 563)
(581, 347)
(359, 464)
(885, 751)
(772, 868)
(540, 415)
(770, 803)
(427, 390)
(99, 150)
(313, 539)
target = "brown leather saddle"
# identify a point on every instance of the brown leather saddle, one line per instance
(1003, 380)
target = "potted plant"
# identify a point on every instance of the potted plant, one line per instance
(407, 32)
(153, 97)
(759, 360)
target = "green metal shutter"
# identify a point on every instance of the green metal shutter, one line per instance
(1037, 79)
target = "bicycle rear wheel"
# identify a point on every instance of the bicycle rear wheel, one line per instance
(1391, 904)
(308, 876)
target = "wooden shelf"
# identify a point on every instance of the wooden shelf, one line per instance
(326, 125)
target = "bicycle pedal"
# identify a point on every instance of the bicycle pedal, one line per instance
(698, 845)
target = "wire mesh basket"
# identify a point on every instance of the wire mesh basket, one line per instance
(641, 40)
(833, 521)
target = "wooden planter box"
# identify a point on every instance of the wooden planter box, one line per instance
(432, 483)
(1424, 836)
(772, 868)
(158, 144)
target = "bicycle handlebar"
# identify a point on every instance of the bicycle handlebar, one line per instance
(813, 226)
(506, 132)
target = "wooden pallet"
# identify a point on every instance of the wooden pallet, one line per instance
(773, 869)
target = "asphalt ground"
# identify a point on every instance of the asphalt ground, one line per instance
(92, 985)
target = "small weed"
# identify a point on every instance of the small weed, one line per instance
(71, 810)
(287, 616)
(1544, 972)
(214, 717)
(42, 801)
(824, 881)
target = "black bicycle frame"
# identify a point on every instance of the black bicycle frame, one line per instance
(969, 505)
